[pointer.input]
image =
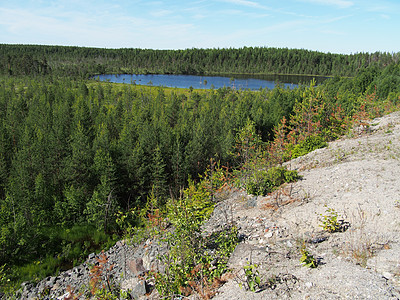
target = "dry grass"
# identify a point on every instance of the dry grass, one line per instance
(284, 196)
(361, 244)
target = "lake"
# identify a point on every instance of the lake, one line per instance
(207, 82)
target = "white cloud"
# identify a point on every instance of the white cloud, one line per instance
(161, 13)
(247, 3)
(332, 32)
(338, 3)
(23, 26)
(199, 16)
(242, 14)
(335, 19)
(198, 23)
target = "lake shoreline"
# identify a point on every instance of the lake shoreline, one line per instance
(235, 81)
(222, 74)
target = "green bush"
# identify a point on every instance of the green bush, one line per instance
(65, 248)
(308, 145)
(330, 222)
(306, 258)
(263, 182)
(253, 279)
(193, 260)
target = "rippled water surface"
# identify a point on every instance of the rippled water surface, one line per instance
(207, 82)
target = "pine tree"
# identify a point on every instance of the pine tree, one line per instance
(159, 183)
(78, 176)
(103, 202)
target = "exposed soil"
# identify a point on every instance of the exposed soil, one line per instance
(359, 178)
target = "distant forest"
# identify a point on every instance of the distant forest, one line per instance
(74, 151)
(84, 62)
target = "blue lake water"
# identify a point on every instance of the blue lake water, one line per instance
(207, 82)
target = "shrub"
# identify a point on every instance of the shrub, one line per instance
(253, 279)
(306, 258)
(263, 182)
(310, 144)
(193, 261)
(330, 222)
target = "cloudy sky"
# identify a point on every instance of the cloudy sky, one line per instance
(338, 26)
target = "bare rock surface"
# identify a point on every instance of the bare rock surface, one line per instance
(359, 178)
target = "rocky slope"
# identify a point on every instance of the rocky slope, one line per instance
(357, 177)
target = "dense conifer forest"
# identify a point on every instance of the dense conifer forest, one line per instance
(79, 61)
(74, 152)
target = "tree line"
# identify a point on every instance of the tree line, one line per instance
(84, 62)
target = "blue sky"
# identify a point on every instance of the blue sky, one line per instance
(337, 26)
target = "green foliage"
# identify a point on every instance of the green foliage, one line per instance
(225, 243)
(5, 282)
(193, 260)
(330, 222)
(74, 152)
(263, 182)
(247, 144)
(82, 62)
(310, 144)
(101, 283)
(250, 155)
(253, 279)
(388, 81)
(133, 229)
(102, 205)
(198, 200)
(306, 258)
(64, 248)
(160, 186)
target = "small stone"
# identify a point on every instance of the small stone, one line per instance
(318, 240)
(65, 296)
(25, 284)
(55, 287)
(92, 255)
(269, 234)
(139, 290)
(120, 244)
(309, 284)
(136, 266)
(147, 262)
(387, 275)
(51, 281)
